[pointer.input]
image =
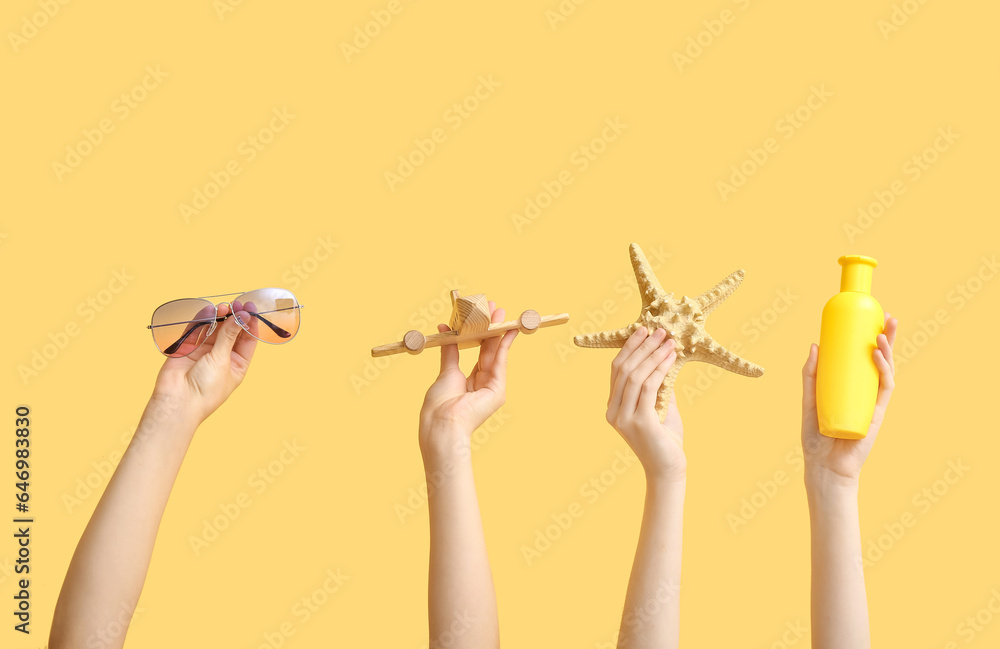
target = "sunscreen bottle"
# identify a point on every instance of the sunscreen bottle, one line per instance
(846, 376)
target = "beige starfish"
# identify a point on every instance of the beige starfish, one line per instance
(684, 320)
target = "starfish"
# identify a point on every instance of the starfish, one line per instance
(684, 320)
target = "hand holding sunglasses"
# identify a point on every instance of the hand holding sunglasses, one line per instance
(270, 315)
(112, 558)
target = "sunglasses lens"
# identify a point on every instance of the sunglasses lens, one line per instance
(268, 314)
(181, 326)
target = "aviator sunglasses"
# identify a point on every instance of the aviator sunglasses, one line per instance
(270, 315)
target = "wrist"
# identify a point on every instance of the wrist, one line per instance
(822, 477)
(166, 427)
(666, 480)
(166, 407)
(665, 471)
(824, 485)
(444, 444)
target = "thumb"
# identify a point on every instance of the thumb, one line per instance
(225, 338)
(449, 353)
(809, 379)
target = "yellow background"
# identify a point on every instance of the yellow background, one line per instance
(397, 251)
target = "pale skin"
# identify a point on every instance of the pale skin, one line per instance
(461, 599)
(832, 473)
(651, 617)
(106, 574)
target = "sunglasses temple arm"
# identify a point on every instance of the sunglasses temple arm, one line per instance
(275, 328)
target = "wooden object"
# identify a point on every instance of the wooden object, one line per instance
(469, 314)
(684, 320)
(470, 323)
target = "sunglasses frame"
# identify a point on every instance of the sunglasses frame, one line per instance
(217, 318)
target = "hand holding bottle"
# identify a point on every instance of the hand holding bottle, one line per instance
(841, 459)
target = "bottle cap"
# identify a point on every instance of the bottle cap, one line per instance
(857, 273)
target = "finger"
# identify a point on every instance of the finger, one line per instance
(449, 353)
(634, 378)
(470, 381)
(891, 325)
(225, 337)
(882, 343)
(627, 349)
(488, 346)
(246, 344)
(809, 379)
(648, 343)
(886, 382)
(651, 387)
(500, 361)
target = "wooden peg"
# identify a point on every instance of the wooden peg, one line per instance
(529, 321)
(414, 341)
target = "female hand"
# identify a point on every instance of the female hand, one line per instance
(841, 459)
(203, 380)
(456, 405)
(636, 376)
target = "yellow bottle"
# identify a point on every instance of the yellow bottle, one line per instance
(846, 376)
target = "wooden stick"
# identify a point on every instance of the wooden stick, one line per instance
(529, 322)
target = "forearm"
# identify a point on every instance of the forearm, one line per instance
(839, 601)
(109, 566)
(651, 617)
(462, 608)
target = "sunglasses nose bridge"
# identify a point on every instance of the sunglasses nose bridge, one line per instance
(232, 312)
